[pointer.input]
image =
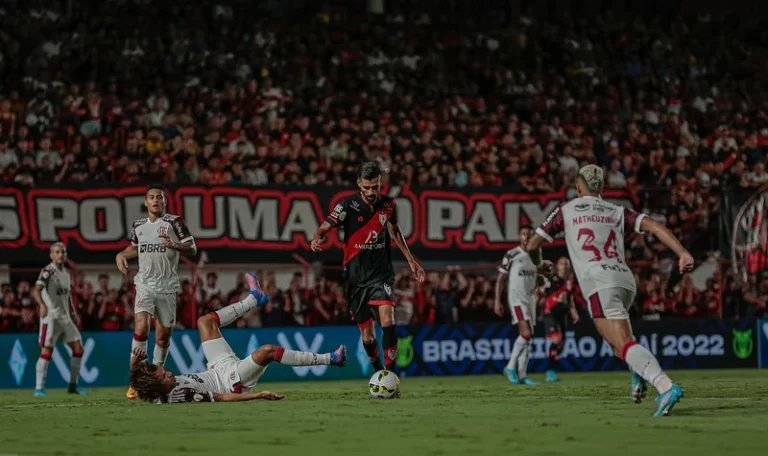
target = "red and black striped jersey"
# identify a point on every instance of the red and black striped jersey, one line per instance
(367, 251)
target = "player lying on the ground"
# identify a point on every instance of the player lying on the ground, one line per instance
(228, 378)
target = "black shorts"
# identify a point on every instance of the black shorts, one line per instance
(363, 301)
(555, 322)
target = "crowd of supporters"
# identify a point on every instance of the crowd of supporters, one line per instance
(450, 295)
(134, 91)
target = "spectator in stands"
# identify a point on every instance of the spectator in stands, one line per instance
(451, 101)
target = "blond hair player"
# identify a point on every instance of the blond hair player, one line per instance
(594, 234)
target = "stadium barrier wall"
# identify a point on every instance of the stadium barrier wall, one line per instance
(469, 349)
(762, 345)
(465, 349)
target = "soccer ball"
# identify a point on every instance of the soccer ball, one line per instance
(384, 384)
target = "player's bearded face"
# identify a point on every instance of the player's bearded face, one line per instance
(370, 189)
(58, 255)
(155, 202)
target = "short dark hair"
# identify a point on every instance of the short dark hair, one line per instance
(155, 187)
(526, 227)
(369, 171)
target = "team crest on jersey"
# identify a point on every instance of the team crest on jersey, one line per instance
(46, 274)
(387, 289)
(383, 219)
(162, 231)
(582, 207)
(232, 376)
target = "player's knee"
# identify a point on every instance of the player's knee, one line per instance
(205, 321)
(265, 354)
(164, 341)
(77, 349)
(367, 334)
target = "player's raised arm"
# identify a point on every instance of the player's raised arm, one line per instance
(334, 219)
(553, 225)
(647, 224)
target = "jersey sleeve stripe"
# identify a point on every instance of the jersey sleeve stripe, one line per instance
(639, 220)
(544, 234)
(187, 239)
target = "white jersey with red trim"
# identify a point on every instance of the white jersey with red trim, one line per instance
(522, 274)
(158, 265)
(198, 387)
(57, 291)
(594, 234)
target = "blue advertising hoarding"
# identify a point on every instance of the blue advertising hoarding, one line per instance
(468, 349)
(107, 354)
(464, 349)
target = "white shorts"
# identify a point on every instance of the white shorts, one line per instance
(611, 303)
(523, 312)
(162, 306)
(234, 374)
(52, 331)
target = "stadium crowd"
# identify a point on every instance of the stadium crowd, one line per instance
(132, 91)
(447, 296)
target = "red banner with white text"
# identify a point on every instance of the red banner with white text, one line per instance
(267, 224)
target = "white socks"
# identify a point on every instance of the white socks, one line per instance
(234, 311)
(139, 342)
(41, 371)
(522, 361)
(159, 355)
(74, 368)
(521, 351)
(298, 358)
(642, 362)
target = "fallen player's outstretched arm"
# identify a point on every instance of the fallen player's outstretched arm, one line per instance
(234, 397)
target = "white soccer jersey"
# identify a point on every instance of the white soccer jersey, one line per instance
(521, 283)
(198, 387)
(594, 233)
(158, 265)
(57, 288)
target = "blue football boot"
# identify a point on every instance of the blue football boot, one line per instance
(511, 376)
(668, 400)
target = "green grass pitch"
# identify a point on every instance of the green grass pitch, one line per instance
(723, 413)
